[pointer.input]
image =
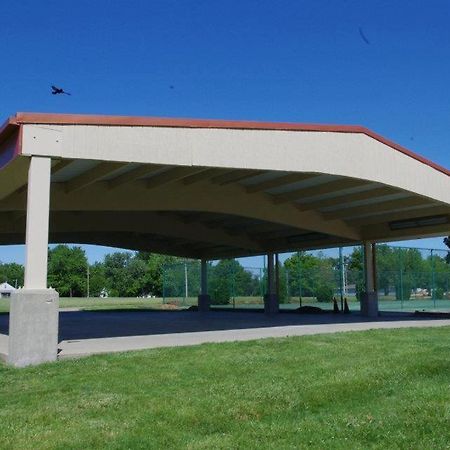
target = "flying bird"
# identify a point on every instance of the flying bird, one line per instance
(57, 90)
(363, 37)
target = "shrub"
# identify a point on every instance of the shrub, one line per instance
(220, 296)
(439, 293)
(324, 293)
(405, 292)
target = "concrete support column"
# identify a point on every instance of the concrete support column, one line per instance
(271, 297)
(33, 318)
(369, 298)
(204, 300)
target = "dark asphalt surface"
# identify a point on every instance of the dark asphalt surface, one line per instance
(99, 324)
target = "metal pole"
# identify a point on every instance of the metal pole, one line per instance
(300, 282)
(401, 277)
(341, 277)
(433, 295)
(88, 278)
(185, 282)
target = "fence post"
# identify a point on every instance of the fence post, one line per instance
(401, 277)
(300, 281)
(433, 294)
(164, 284)
(288, 291)
(341, 277)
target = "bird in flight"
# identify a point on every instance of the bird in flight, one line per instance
(57, 90)
(363, 36)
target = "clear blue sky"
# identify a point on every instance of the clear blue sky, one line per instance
(301, 61)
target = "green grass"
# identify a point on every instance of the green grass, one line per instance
(381, 389)
(386, 304)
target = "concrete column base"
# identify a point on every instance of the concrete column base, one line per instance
(369, 304)
(204, 300)
(271, 305)
(33, 327)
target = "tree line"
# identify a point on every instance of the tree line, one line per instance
(126, 274)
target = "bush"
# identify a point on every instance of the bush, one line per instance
(324, 293)
(439, 293)
(220, 296)
(406, 291)
(360, 289)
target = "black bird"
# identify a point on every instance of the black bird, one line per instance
(363, 37)
(56, 91)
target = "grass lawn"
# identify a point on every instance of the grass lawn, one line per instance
(385, 304)
(377, 389)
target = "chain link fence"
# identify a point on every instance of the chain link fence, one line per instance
(408, 279)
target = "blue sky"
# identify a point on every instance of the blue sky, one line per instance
(289, 60)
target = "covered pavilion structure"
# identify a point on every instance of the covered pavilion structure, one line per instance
(205, 189)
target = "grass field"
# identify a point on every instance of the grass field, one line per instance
(386, 304)
(378, 389)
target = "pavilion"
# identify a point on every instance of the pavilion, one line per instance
(204, 189)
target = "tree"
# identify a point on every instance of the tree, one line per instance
(12, 273)
(447, 243)
(229, 279)
(125, 274)
(97, 279)
(67, 270)
(308, 273)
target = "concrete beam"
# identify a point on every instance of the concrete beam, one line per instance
(369, 299)
(38, 206)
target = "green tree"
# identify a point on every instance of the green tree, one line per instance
(97, 279)
(12, 273)
(229, 279)
(447, 243)
(307, 273)
(67, 270)
(125, 274)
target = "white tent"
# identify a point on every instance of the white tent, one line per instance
(6, 289)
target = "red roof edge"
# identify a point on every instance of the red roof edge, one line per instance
(83, 119)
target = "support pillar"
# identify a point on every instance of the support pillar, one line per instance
(271, 298)
(369, 298)
(204, 299)
(33, 317)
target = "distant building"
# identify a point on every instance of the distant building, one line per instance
(6, 289)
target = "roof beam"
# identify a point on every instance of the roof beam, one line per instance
(201, 197)
(235, 176)
(200, 176)
(133, 175)
(280, 181)
(58, 165)
(379, 232)
(172, 175)
(153, 223)
(14, 176)
(321, 189)
(348, 198)
(91, 176)
(390, 205)
(399, 215)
